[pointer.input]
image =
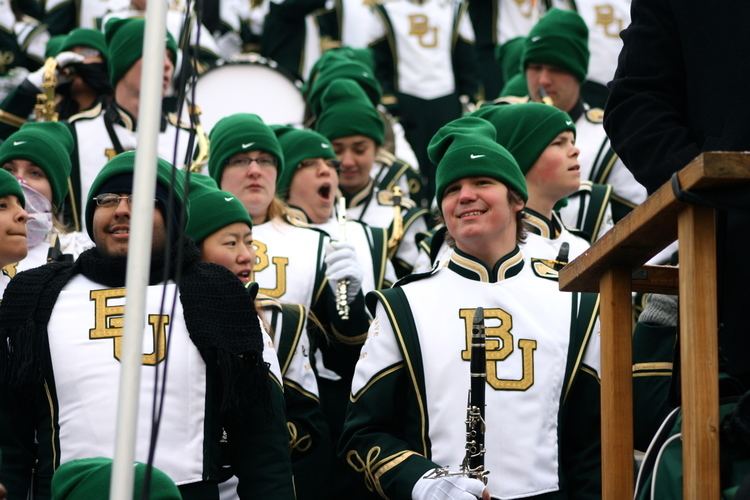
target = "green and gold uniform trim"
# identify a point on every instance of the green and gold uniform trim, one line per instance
(599, 200)
(539, 224)
(380, 11)
(53, 430)
(583, 316)
(653, 369)
(295, 386)
(348, 339)
(397, 299)
(590, 371)
(374, 469)
(297, 442)
(470, 268)
(379, 375)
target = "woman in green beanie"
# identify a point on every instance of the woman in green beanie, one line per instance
(13, 246)
(223, 230)
(353, 126)
(407, 411)
(38, 155)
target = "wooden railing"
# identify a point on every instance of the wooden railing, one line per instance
(614, 267)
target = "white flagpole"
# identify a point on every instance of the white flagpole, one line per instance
(139, 249)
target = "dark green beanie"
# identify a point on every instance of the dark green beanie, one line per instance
(338, 69)
(53, 45)
(298, 145)
(560, 39)
(509, 56)
(200, 183)
(48, 145)
(466, 147)
(343, 53)
(526, 129)
(9, 186)
(84, 37)
(347, 111)
(211, 210)
(239, 133)
(89, 478)
(125, 45)
(124, 163)
(515, 87)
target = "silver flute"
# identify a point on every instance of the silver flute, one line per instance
(342, 287)
(473, 463)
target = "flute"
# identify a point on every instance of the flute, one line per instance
(342, 287)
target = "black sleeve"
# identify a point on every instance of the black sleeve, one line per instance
(645, 116)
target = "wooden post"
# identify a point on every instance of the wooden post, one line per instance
(699, 353)
(617, 386)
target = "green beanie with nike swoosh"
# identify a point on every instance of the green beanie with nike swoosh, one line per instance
(298, 145)
(526, 129)
(211, 210)
(239, 133)
(561, 39)
(466, 147)
(9, 186)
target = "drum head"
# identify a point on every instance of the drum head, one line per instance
(248, 88)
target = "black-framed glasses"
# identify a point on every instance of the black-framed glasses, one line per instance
(245, 161)
(314, 162)
(111, 200)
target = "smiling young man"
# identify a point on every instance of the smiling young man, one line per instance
(54, 411)
(407, 409)
(555, 61)
(353, 126)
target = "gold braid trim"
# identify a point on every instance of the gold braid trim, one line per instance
(373, 469)
(300, 444)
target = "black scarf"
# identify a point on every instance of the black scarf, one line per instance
(219, 314)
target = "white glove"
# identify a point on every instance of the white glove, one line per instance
(63, 59)
(342, 263)
(447, 488)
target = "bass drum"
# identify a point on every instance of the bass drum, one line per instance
(249, 84)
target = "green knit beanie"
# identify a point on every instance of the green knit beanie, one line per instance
(125, 45)
(48, 145)
(84, 37)
(124, 163)
(338, 69)
(298, 145)
(211, 210)
(560, 39)
(347, 111)
(509, 56)
(89, 478)
(9, 186)
(515, 87)
(466, 147)
(526, 129)
(53, 45)
(239, 133)
(200, 183)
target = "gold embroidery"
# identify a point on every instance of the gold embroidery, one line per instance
(605, 16)
(419, 26)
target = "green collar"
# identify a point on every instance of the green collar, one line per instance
(539, 224)
(358, 198)
(470, 268)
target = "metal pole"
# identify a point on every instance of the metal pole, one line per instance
(139, 249)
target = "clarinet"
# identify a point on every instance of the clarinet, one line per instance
(473, 463)
(342, 287)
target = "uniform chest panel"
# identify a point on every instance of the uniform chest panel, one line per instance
(423, 34)
(288, 259)
(85, 338)
(527, 324)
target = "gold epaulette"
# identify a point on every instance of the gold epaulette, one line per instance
(595, 115)
(87, 114)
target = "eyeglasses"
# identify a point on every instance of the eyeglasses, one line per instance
(244, 161)
(314, 162)
(111, 200)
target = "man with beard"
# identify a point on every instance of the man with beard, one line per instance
(82, 82)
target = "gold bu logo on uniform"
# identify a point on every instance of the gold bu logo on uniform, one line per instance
(605, 16)
(419, 26)
(499, 345)
(110, 319)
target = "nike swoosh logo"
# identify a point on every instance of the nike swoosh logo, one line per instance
(568, 122)
(324, 145)
(535, 38)
(474, 157)
(18, 143)
(228, 199)
(245, 146)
